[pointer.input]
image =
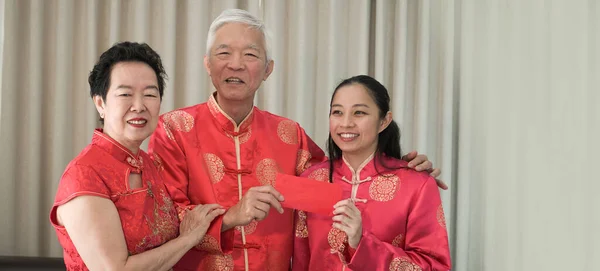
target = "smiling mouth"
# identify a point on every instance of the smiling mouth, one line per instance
(137, 122)
(348, 135)
(234, 80)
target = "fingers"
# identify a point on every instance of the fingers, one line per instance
(426, 165)
(349, 210)
(436, 172)
(269, 199)
(342, 203)
(203, 210)
(214, 213)
(417, 160)
(441, 184)
(261, 206)
(409, 156)
(268, 189)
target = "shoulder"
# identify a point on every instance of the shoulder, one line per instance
(318, 172)
(180, 121)
(184, 114)
(275, 119)
(406, 175)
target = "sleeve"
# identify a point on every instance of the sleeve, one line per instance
(426, 241)
(78, 180)
(301, 258)
(165, 145)
(309, 152)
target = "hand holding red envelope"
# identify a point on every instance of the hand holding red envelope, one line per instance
(307, 194)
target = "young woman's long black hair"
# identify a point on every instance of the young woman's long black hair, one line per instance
(388, 141)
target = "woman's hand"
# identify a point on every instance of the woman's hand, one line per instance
(196, 221)
(347, 218)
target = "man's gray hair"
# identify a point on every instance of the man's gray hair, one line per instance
(237, 16)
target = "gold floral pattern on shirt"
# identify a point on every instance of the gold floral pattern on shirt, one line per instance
(321, 174)
(301, 227)
(398, 241)
(384, 188)
(164, 224)
(221, 262)
(209, 244)
(158, 163)
(215, 166)
(266, 171)
(177, 121)
(213, 107)
(337, 240)
(287, 132)
(302, 161)
(248, 229)
(403, 264)
(441, 218)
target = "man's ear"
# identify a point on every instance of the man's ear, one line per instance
(269, 70)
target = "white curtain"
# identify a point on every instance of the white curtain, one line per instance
(528, 137)
(502, 95)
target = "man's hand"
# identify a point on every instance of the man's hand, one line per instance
(420, 162)
(255, 205)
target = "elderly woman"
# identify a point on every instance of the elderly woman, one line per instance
(112, 211)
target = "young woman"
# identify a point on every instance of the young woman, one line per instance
(391, 217)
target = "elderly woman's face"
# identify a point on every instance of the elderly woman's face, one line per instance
(237, 63)
(132, 104)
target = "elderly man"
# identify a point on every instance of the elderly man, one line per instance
(227, 151)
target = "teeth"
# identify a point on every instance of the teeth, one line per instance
(136, 122)
(348, 135)
(237, 80)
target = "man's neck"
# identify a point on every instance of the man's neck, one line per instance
(234, 109)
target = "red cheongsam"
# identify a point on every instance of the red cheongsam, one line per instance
(209, 159)
(402, 219)
(102, 169)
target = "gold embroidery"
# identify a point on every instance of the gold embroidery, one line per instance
(441, 218)
(164, 225)
(301, 227)
(266, 171)
(215, 165)
(243, 137)
(321, 174)
(302, 161)
(209, 244)
(221, 262)
(398, 241)
(337, 239)
(158, 163)
(168, 132)
(248, 229)
(403, 264)
(384, 188)
(287, 132)
(177, 121)
(213, 107)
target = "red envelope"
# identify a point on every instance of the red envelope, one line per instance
(307, 194)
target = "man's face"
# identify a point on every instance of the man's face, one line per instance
(237, 62)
